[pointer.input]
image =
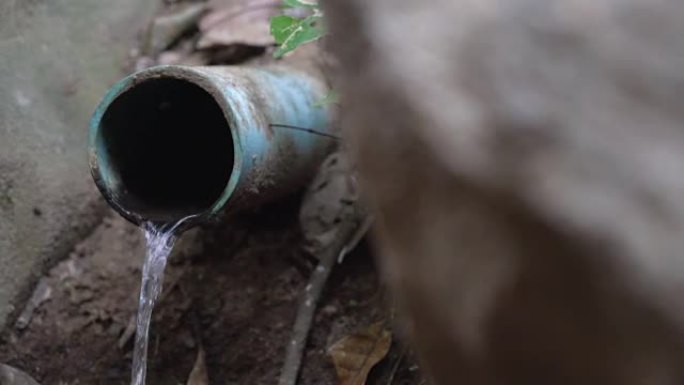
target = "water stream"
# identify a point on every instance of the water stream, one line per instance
(160, 240)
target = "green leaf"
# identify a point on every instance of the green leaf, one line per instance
(281, 27)
(300, 4)
(290, 32)
(333, 97)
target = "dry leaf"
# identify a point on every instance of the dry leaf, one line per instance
(198, 374)
(355, 355)
(245, 22)
(166, 29)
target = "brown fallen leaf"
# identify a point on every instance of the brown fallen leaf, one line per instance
(355, 355)
(243, 22)
(198, 374)
(167, 28)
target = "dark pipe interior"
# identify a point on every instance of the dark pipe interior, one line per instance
(170, 145)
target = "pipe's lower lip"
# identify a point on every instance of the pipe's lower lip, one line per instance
(163, 150)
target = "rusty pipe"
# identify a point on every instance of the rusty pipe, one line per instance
(173, 141)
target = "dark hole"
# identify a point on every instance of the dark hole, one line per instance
(171, 146)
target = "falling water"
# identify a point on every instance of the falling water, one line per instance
(160, 240)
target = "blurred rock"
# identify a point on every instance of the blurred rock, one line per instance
(58, 59)
(526, 160)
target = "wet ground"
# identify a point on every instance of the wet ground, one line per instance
(230, 289)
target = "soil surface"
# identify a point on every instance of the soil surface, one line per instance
(231, 289)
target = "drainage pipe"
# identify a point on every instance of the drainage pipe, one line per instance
(173, 141)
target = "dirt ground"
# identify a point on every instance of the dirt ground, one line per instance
(231, 289)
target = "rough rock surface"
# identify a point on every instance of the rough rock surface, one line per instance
(526, 159)
(58, 58)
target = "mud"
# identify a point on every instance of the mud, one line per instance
(230, 288)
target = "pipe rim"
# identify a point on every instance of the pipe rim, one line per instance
(183, 73)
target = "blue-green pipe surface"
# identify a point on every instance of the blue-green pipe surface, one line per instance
(268, 159)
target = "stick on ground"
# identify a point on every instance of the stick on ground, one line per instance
(311, 297)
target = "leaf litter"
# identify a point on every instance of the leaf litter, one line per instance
(355, 355)
(243, 22)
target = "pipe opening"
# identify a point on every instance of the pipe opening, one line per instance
(169, 145)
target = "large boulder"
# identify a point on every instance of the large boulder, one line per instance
(57, 58)
(526, 158)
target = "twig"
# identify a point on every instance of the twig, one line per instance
(199, 374)
(156, 346)
(356, 237)
(396, 366)
(129, 331)
(196, 325)
(304, 129)
(307, 307)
